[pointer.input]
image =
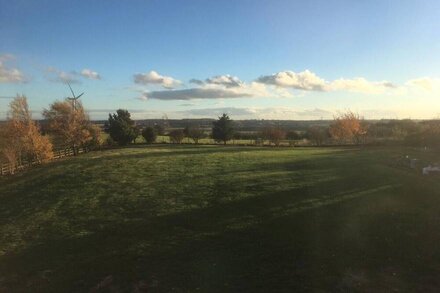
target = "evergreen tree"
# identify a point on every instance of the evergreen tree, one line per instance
(121, 127)
(223, 129)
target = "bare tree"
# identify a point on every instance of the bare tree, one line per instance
(176, 135)
(274, 134)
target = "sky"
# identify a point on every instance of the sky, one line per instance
(260, 59)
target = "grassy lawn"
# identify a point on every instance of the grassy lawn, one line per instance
(222, 219)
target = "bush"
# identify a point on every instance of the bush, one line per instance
(149, 135)
(109, 142)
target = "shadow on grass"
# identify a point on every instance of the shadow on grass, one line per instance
(329, 233)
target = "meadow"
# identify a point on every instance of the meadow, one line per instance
(185, 218)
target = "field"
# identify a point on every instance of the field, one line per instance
(222, 219)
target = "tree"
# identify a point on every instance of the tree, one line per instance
(70, 125)
(121, 127)
(317, 134)
(149, 134)
(176, 135)
(195, 133)
(348, 127)
(274, 135)
(22, 137)
(293, 135)
(223, 129)
(159, 129)
(426, 135)
(96, 140)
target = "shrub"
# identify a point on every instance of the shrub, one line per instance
(149, 134)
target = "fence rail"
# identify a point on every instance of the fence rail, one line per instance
(10, 168)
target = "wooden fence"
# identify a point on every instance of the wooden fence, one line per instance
(8, 168)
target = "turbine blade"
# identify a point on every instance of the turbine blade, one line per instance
(80, 95)
(73, 94)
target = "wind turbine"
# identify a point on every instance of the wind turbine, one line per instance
(73, 98)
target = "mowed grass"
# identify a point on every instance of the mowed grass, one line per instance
(222, 219)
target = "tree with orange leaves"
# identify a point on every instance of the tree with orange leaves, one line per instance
(348, 127)
(22, 138)
(70, 124)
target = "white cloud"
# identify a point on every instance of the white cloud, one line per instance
(309, 81)
(8, 74)
(153, 77)
(305, 80)
(215, 88)
(194, 93)
(360, 85)
(90, 74)
(425, 83)
(225, 80)
(56, 75)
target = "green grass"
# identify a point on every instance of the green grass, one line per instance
(222, 219)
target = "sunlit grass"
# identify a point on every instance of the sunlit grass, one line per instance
(221, 219)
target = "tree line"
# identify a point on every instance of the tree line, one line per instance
(23, 140)
(346, 128)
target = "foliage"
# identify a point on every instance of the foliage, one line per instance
(159, 129)
(22, 137)
(121, 127)
(348, 127)
(96, 137)
(110, 142)
(149, 134)
(293, 135)
(427, 134)
(176, 135)
(223, 129)
(71, 124)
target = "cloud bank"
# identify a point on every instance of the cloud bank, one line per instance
(55, 75)
(309, 81)
(277, 85)
(194, 93)
(425, 83)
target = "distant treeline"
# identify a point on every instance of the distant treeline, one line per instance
(242, 125)
(345, 129)
(67, 126)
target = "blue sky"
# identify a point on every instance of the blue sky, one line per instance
(253, 59)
